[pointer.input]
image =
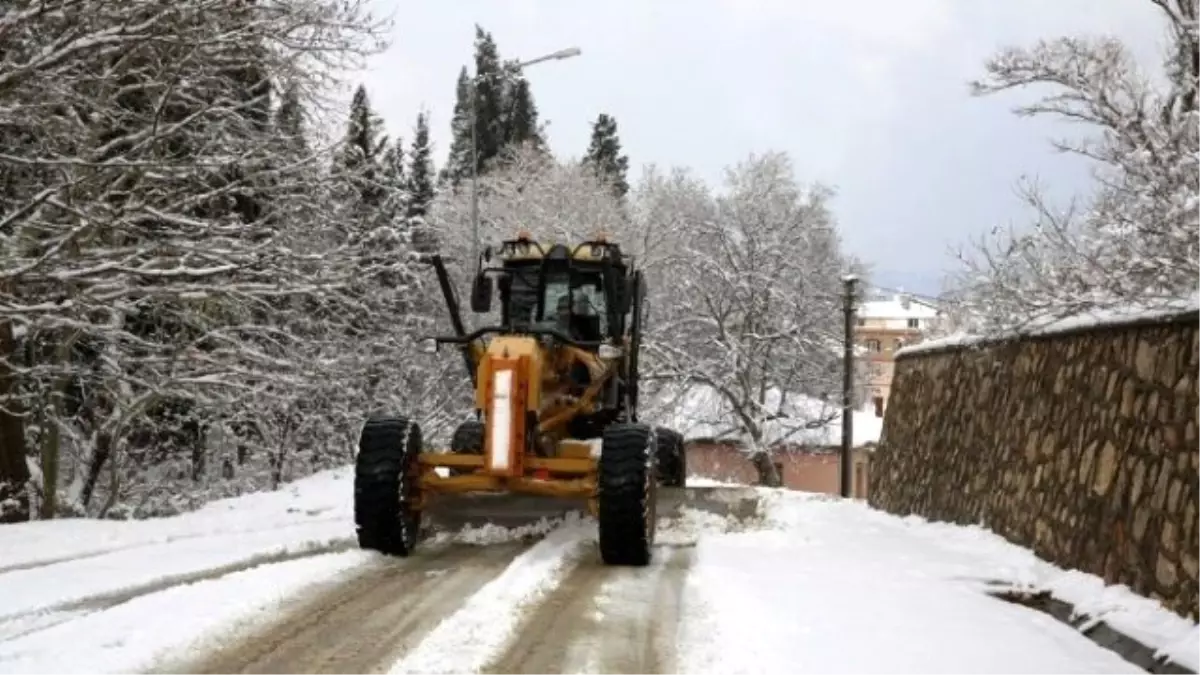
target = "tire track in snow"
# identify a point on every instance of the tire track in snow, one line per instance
(605, 619)
(22, 624)
(362, 625)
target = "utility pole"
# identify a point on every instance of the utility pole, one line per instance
(556, 56)
(847, 384)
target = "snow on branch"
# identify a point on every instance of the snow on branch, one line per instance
(1135, 239)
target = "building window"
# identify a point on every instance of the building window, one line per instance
(878, 406)
(914, 323)
(873, 345)
(899, 344)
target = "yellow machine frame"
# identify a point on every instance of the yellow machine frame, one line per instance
(516, 376)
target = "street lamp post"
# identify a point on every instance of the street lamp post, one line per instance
(555, 56)
(846, 464)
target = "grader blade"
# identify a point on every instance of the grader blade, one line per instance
(727, 502)
(455, 512)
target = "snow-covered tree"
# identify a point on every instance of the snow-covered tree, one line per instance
(1135, 241)
(421, 172)
(749, 307)
(531, 191)
(184, 308)
(604, 155)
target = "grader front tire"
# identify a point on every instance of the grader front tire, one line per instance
(385, 486)
(628, 495)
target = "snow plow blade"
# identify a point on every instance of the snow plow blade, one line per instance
(454, 512)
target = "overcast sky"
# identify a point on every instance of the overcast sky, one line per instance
(868, 96)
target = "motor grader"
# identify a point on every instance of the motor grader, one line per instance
(555, 405)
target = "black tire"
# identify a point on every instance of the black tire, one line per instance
(672, 460)
(385, 486)
(628, 494)
(467, 440)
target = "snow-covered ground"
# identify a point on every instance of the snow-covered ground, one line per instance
(814, 584)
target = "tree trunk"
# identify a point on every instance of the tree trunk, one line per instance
(14, 472)
(99, 457)
(768, 473)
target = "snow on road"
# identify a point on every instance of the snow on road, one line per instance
(813, 583)
(833, 586)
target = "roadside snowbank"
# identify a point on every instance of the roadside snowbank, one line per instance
(171, 623)
(835, 586)
(322, 497)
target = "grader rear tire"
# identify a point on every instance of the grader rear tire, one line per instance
(628, 494)
(385, 486)
(467, 440)
(672, 460)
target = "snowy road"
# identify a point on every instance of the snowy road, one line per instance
(273, 583)
(363, 624)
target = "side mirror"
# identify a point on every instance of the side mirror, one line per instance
(481, 294)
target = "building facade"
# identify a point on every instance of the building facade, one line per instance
(815, 469)
(885, 324)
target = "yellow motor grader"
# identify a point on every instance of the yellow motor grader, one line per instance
(556, 401)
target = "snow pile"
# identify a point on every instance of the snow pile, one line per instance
(325, 497)
(692, 524)
(478, 632)
(490, 533)
(779, 599)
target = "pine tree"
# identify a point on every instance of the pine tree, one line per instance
(394, 184)
(489, 99)
(289, 123)
(521, 119)
(458, 164)
(420, 173)
(420, 187)
(358, 163)
(604, 155)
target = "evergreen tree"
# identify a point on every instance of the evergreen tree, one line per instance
(289, 123)
(420, 187)
(394, 184)
(420, 173)
(490, 84)
(358, 163)
(521, 120)
(458, 164)
(604, 155)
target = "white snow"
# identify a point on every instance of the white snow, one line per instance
(174, 623)
(320, 498)
(812, 583)
(1093, 319)
(477, 633)
(701, 412)
(834, 586)
(896, 306)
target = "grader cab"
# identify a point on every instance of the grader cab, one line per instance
(555, 412)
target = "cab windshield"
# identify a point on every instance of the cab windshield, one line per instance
(579, 312)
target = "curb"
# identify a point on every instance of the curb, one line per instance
(1098, 632)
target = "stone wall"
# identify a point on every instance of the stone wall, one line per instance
(1081, 445)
